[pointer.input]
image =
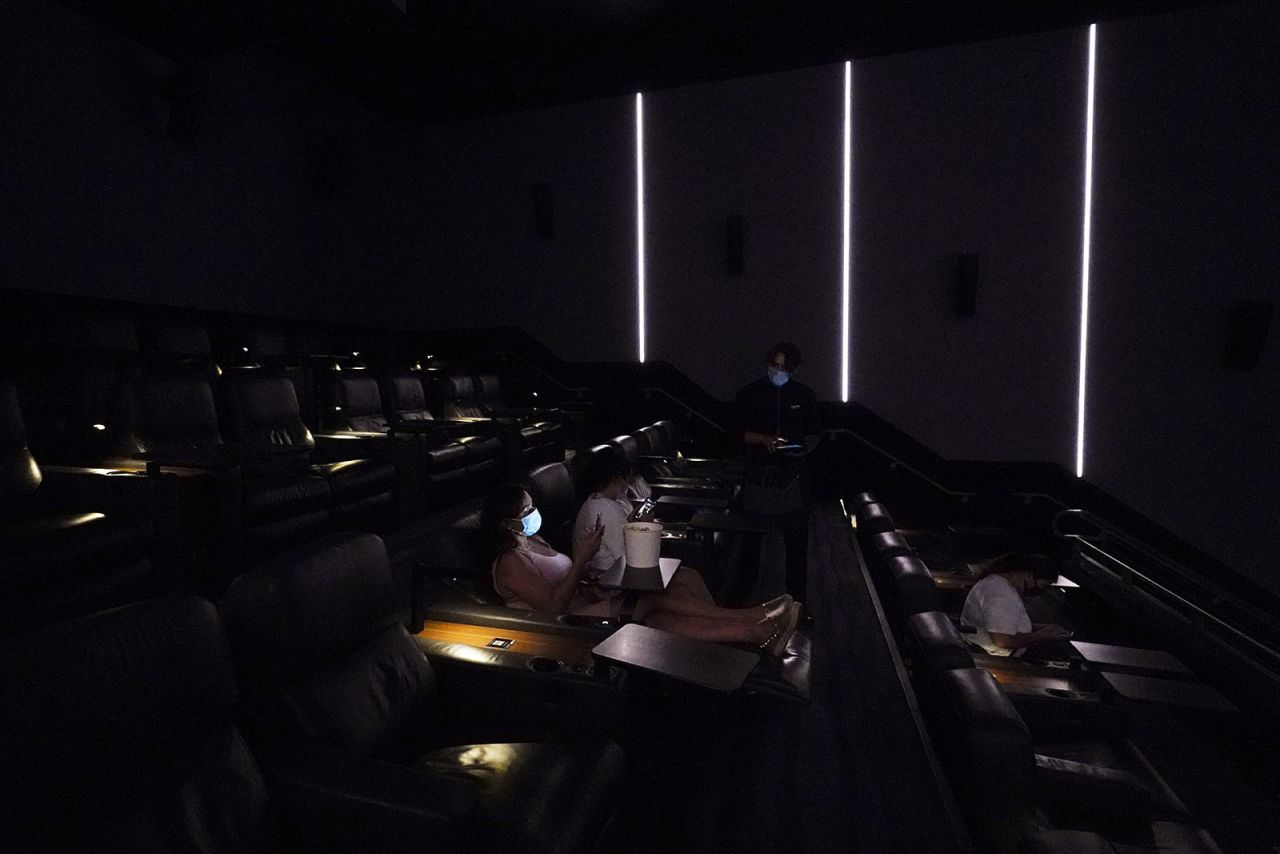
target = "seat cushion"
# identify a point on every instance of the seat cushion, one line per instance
(541, 797)
(269, 497)
(357, 478)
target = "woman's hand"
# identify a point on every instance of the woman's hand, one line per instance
(585, 549)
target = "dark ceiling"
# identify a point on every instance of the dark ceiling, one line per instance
(436, 60)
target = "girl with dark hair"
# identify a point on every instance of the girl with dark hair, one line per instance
(995, 608)
(607, 481)
(528, 573)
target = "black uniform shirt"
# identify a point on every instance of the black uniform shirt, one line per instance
(789, 411)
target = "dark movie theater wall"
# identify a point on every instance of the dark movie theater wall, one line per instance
(285, 197)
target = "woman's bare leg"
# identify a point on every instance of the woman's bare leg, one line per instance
(710, 628)
(680, 600)
(689, 580)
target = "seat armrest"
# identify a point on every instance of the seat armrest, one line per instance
(87, 490)
(337, 801)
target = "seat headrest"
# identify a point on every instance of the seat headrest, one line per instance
(172, 407)
(649, 439)
(455, 551)
(405, 393)
(152, 673)
(292, 617)
(551, 489)
(487, 387)
(457, 387)
(888, 544)
(629, 447)
(873, 518)
(356, 395)
(935, 642)
(263, 407)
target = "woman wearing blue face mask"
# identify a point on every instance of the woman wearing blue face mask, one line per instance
(530, 574)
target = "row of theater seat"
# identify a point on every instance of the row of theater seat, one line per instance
(174, 451)
(1076, 796)
(201, 508)
(295, 714)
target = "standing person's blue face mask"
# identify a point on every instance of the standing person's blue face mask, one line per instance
(778, 376)
(530, 523)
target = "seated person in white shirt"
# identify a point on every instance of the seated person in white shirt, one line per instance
(994, 607)
(610, 487)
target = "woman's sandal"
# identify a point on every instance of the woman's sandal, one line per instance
(776, 608)
(785, 627)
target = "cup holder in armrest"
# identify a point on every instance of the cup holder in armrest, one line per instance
(542, 664)
(584, 620)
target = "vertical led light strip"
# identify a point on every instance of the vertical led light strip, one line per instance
(1084, 255)
(844, 271)
(640, 222)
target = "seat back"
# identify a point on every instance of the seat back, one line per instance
(352, 403)
(175, 415)
(873, 519)
(630, 448)
(456, 551)
(176, 346)
(261, 408)
(912, 587)
(670, 434)
(552, 491)
(75, 384)
(19, 473)
(934, 644)
(322, 654)
(457, 395)
(650, 440)
(488, 391)
(119, 735)
(879, 548)
(404, 398)
(581, 463)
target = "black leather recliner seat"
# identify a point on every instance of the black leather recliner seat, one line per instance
(260, 504)
(123, 725)
(405, 406)
(434, 469)
(74, 376)
(176, 346)
(328, 669)
(64, 551)
(1016, 799)
(260, 409)
(554, 425)
(532, 442)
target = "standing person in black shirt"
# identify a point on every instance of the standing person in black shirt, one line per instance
(776, 422)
